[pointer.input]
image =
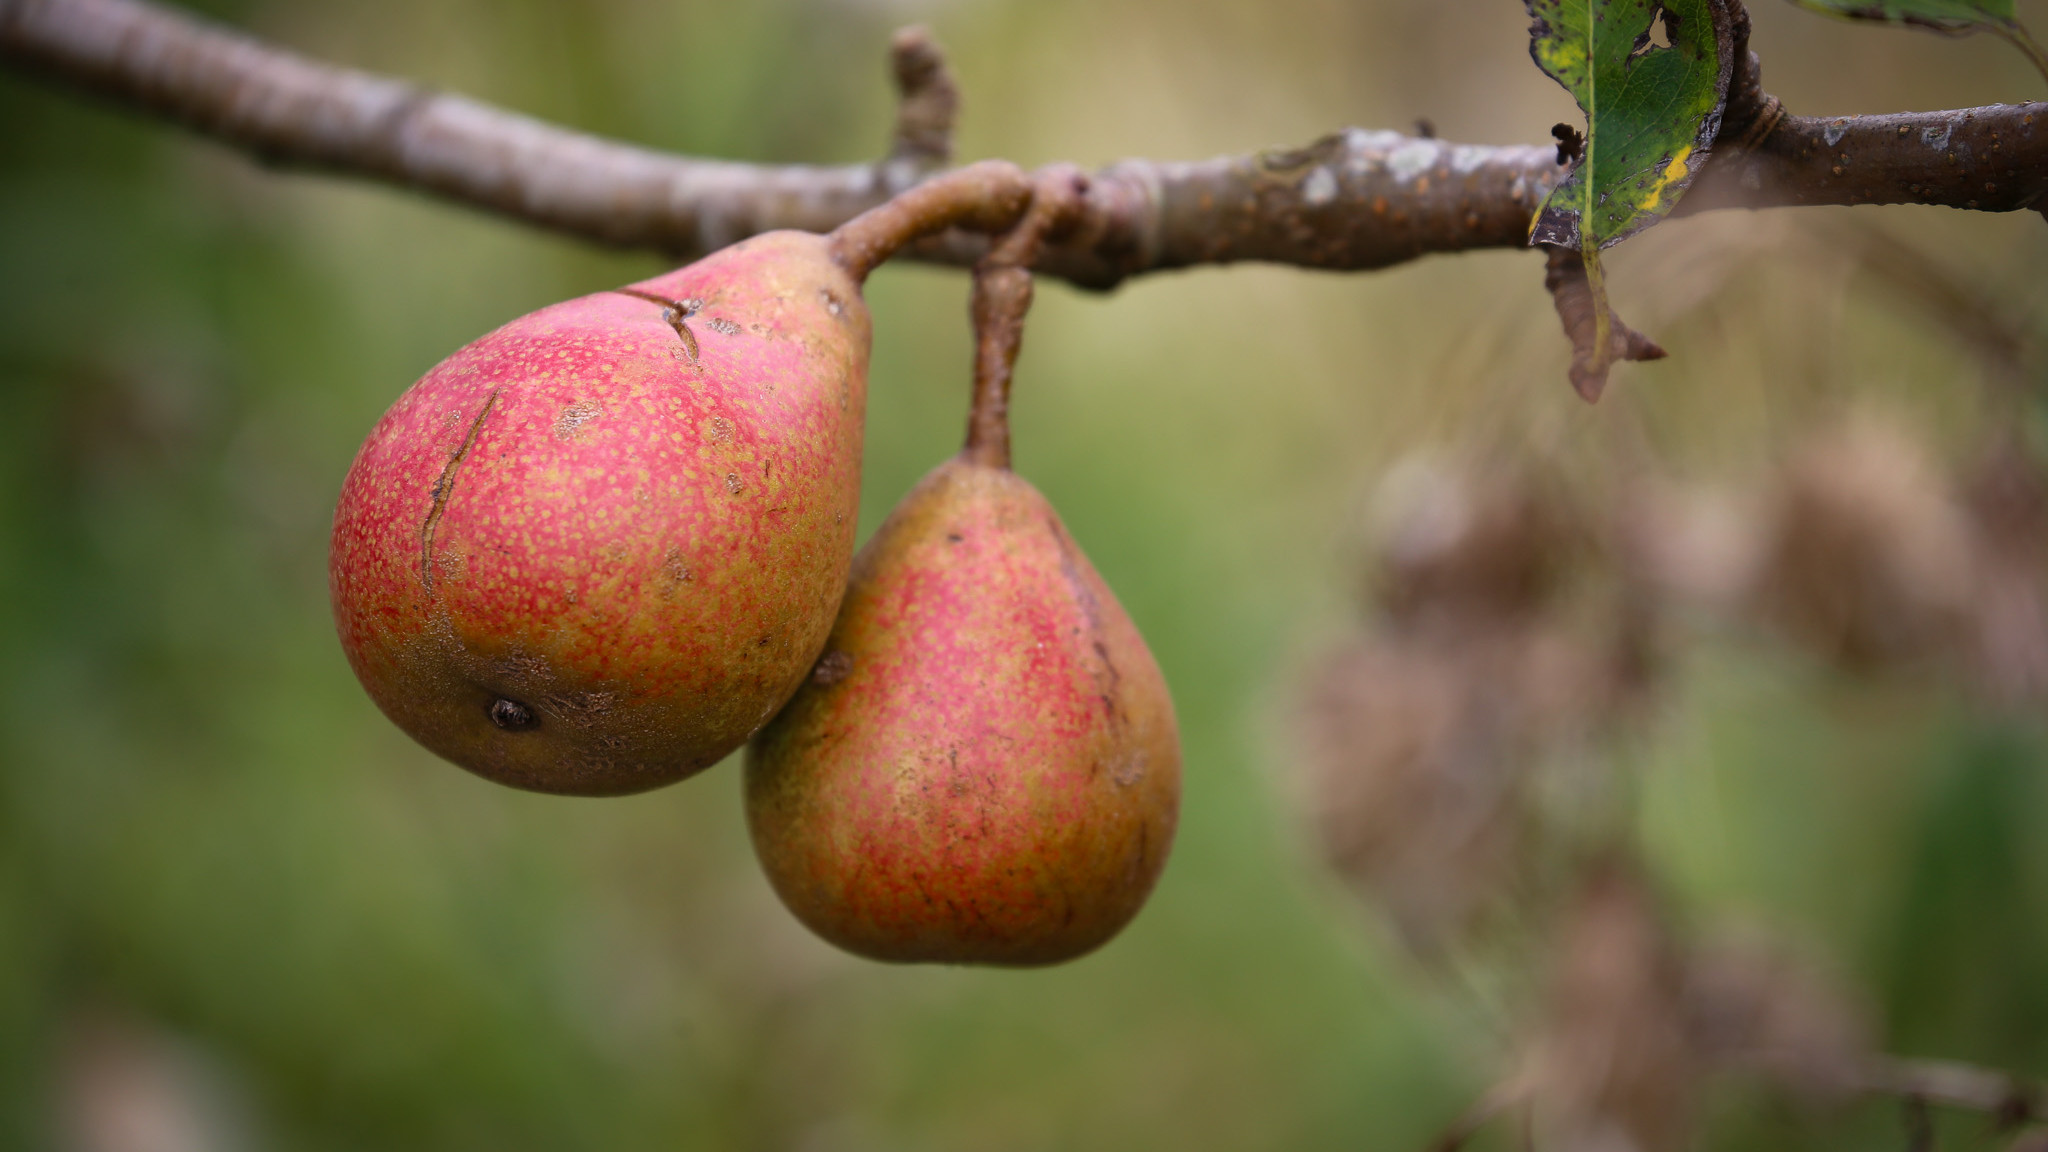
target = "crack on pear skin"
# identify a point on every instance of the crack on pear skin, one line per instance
(1070, 569)
(444, 487)
(675, 312)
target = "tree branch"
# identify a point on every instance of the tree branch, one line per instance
(1498, 1099)
(2007, 1099)
(1352, 200)
(1992, 159)
(288, 110)
(928, 101)
(1001, 297)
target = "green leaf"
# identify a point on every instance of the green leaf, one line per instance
(1944, 15)
(1652, 77)
(1951, 16)
(1652, 104)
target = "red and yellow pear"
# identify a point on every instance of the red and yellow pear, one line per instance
(595, 550)
(984, 766)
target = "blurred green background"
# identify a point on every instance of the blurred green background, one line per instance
(219, 865)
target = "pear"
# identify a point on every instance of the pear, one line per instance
(984, 766)
(593, 551)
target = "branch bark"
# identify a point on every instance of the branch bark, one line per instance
(1498, 1099)
(1351, 200)
(288, 110)
(928, 101)
(2007, 1099)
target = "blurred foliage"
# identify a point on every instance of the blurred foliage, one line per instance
(219, 866)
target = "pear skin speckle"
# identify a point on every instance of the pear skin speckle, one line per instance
(984, 766)
(550, 528)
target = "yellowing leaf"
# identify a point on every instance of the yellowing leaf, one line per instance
(1651, 76)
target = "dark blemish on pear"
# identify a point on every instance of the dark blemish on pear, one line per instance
(569, 425)
(674, 571)
(831, 668)
(512, 716)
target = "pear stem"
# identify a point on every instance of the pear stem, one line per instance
(1002, 295)
(988, 196)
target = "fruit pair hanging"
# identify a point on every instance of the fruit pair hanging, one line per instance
(598, 549)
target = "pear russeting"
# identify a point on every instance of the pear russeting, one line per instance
(595, 550)
(984, 766)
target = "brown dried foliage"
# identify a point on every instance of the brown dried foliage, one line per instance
(1417, 783)
(1753, 1007)
(1420, 742)
(1465, 546)
(1876, 560)
(1869, 560)
(1636, 1024)
(1614, 1065)
(2007, 646)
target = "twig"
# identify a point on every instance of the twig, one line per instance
(988, 196)
(1984, 159)
(2009, 1100)
(2016, 34)
(289, 110)
(1919, 1124)
(1352, 200)
(1002, 295)
(927, 101)
(1496, 1100)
